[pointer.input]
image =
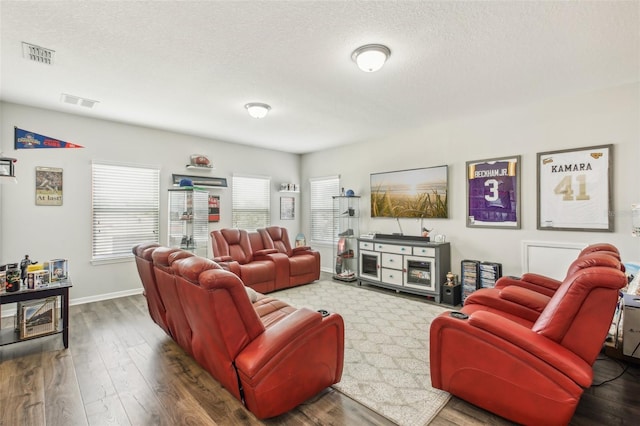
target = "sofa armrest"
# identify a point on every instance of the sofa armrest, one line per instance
(301, 249)
(275, 339)
(547, 350)
(525, 297)
(263, 252)
(542, 281)
(535, 282)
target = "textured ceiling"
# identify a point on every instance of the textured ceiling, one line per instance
(190, 67)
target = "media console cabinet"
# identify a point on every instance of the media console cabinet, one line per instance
(404, 263)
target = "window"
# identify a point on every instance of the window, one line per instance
(322, 190)
(251, 202)
(125, 207)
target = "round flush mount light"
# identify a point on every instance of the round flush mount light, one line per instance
(257, 109)
(371, 57)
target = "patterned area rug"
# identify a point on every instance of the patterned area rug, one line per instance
(386, 362)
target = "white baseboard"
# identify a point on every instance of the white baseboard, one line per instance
(82, 300)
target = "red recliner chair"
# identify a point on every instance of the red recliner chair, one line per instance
(179, 330)
(144, 263)
(258, 269)
(304, 263)
(271, 365)
(533, 374)
(546, 285)
(523, 302)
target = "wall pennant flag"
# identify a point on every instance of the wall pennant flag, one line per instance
(30, 140)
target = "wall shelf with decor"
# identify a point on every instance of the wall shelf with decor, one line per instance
(203, 168)
(289, 187)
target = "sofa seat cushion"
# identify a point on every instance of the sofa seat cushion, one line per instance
(257, 272)
(301, 265)
(271, 310)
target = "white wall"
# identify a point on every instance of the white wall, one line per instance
(606, 117)
(47, 232)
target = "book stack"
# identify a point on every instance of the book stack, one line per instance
(489, 273)
(469, 278)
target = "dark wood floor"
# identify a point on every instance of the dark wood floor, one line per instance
(121, 369)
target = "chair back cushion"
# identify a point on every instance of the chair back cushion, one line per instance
(232, 242)
(578, 316)
(220, 315)
(276, 237)
(605, 247)
(144, 264)
(163, 258)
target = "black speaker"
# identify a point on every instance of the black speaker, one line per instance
(451, 295)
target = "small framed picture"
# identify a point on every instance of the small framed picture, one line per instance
(58, 270)
(574, 189)
(287, 208)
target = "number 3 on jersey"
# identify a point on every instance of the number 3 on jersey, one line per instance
(564, 187)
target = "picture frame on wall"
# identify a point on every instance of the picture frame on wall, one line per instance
(493, 193)
(214, 208)
(48, 186)
(287, 208)
(575, 189)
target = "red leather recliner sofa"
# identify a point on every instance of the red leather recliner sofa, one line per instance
(266, 353)
(530, 372)
(303, 262)
(525, 301)
(264, 259)
(548, 286)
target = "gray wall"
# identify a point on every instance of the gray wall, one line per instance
(47, 232)
(609, 116)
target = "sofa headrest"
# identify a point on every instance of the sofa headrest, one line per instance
(600, 247)
(161, 255)
(144, 250)
(589, 260)
(180, 254)
(190, 267)
(231, 235)
(275, 232)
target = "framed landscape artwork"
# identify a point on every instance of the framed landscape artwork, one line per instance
(574, 189)
(493, 193)
(414, 193)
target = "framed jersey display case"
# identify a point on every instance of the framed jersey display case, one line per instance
(574, 189)
(493, 193)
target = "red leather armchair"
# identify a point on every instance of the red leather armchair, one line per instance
(546, 285)
(258, 268)
(525, 303)
(532, 374)
(144, 264)
(303, 262)
(179, 329)
(270, 356)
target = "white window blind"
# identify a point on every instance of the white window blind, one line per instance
(125, 207)
(321, 192)
(251, 202)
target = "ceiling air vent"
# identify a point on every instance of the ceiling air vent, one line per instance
(37, 54)
(77, 100)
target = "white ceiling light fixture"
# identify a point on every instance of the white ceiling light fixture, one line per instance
(371, 57)
(257, 109)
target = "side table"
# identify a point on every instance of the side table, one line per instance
(10, 336)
